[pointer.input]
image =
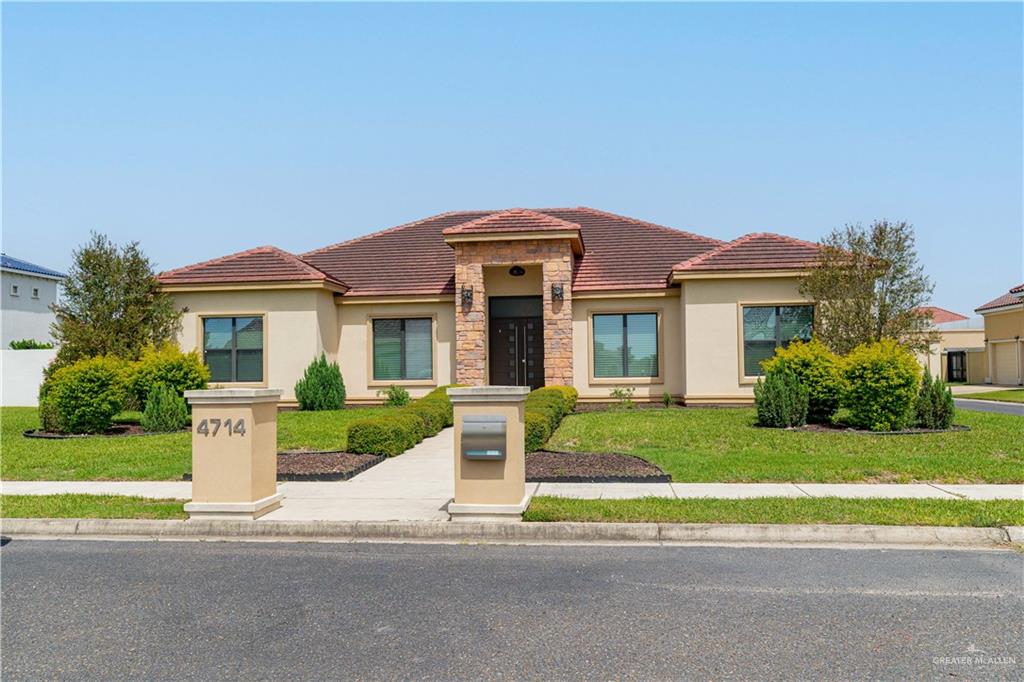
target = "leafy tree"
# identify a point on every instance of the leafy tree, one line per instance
(111, 304)
(868, 287)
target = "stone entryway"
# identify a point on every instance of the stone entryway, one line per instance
(516, 341)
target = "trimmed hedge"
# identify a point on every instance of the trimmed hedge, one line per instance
(545, 409)
(392, 434)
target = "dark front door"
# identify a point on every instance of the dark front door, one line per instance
(956, 370)
(516, 341)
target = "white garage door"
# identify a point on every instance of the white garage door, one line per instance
(1005, 363)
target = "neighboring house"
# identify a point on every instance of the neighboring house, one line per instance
(959, 354)
(28, 291)
(1004, 337)
(572, 296)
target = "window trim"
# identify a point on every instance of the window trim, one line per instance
(15, 290)
(626, 381)
(200, 338)
(746, 379)
(35, 292)
(384, 383)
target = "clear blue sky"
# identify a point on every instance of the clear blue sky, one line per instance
(206, 129)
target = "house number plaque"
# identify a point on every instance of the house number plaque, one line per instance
(211, 427)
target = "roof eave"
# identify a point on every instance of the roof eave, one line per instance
(185, 287)
(748, 273)
(29, 273)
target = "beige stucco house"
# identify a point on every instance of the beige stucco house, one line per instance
(572, 296)
(959, 352)
(1004, 338)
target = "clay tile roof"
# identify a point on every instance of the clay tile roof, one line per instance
(756, 251)
(1012, 297)
(262, 264)
(513, 220)
(940, 315)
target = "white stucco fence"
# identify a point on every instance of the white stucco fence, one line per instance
(21, 372)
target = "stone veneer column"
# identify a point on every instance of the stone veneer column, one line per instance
(556, 259)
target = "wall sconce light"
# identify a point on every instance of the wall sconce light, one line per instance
(466, 295)
(557, 292)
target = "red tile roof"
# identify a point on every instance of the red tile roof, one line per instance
(941, 315)
(1012, 297)
(513, 220)
(620, 254)
(262, 264)
(755, 251)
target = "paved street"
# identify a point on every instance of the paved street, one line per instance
(989, 406)
(146, 610)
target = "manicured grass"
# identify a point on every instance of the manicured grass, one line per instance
(148, 458)
(832, 510)
(708, 445)
(88, 507)
(1013, 395)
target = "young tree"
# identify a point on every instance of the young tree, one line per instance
(869, 286)
(111, 304)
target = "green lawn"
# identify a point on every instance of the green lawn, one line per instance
(708, 445)
(147, 458)
(88, 507)
(901, 512)
(1013, 395)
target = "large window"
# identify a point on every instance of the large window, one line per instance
(626, 345)
(765, 327)
(233, 348)
(403, 349)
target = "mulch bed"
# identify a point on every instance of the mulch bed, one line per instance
(545, 466)
(113, 432)
(320, 465)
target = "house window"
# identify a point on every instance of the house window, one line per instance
(14, 290)
(626, 345)
(767, 327)
(403, 349)
(233, 348)
(35, 292)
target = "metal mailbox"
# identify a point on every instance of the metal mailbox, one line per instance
(483, 436)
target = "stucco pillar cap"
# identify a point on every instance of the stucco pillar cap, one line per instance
(488, 394)
(233, 395)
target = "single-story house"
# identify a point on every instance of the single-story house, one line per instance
(1004, 337)
(959, 354)
(572, 296)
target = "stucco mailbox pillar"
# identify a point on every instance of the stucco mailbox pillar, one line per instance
(490, 458)
(234, 453)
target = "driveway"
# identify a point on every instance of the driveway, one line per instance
(989, 406)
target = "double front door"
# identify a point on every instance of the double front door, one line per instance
(516, 354)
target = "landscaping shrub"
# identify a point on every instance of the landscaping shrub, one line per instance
(624, 397)
(165, 365)
(934, 406)
(396, 396)
(432, 413)
(666, 399)
(538, 430)
(321, 386)
(30, 344)
(780, 398)
(880, 386)
(544, 410)
(83, 397)
(165, 410)
(385, 435)
(570, 394)
(819, 370)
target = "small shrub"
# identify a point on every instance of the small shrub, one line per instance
(165, 365)
(570, 394)
(84, 397)
(880, 386)
(624, 397)
(934, 406)
(780, 398)
(819, 370)
(431, 413)
(666, 399)
(321, 386)
(165, 410)
(30, 344)
(538, 430)
(388, 435)
(396, 396)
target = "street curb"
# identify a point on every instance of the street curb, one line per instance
(569, 532)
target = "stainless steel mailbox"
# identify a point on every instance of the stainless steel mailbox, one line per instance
(483, 436)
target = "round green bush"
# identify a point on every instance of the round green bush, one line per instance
(538, 430)
(165, 365)
(165, 410)
(819, 370)
(84, 397)
(880, 385)
(321, 386)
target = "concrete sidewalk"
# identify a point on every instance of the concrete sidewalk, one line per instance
(736, 491)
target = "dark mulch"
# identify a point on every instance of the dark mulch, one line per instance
(545, 466)
(320, 465)
(113, 431)
(842, 428)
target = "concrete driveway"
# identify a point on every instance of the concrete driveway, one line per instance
(989, 406)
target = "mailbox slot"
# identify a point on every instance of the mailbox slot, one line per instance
(483, 436)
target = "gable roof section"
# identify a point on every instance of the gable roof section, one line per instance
(1013, 297)
(12, 263)
(756, 251)
(513, 220)
(262, 264)
(941, 315)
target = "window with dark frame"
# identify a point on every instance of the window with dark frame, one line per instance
(767, 327)
(625, 345)
(403, 349)
(233, 348)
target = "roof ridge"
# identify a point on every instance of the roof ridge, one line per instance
(637, 221)
(742, 239)
(386, 230)
(511, 211)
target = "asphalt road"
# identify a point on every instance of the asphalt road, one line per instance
(989, 406)
(210, 611)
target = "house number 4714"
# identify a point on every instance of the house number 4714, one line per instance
(211, 427)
